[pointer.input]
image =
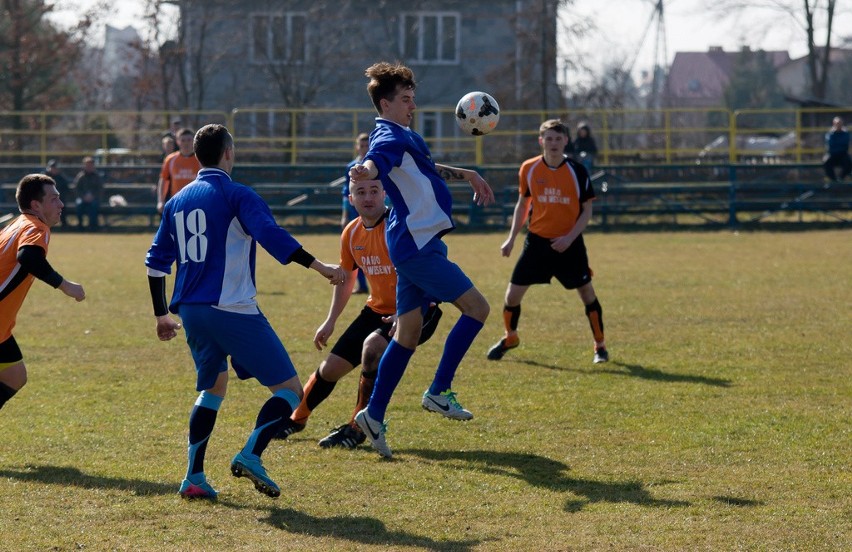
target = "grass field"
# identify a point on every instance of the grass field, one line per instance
(721, 423)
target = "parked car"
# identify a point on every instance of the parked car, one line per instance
(756, 149)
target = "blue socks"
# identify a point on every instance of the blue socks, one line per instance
(272, 414)
(457, 344)
(201, 422)
(391, 367)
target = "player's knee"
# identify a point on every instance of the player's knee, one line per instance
(374, 347)
(477, 307)
(334, 367)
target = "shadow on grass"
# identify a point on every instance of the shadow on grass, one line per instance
(66, 475)
(539, 471)
(735, 501)
(364, 530)
(636, 371)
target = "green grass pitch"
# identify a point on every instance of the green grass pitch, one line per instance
(722, 421)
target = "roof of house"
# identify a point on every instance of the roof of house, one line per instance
(706, 74)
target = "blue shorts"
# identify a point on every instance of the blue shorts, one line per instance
(255, 349)
(427, 276)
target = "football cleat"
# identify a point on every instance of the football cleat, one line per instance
(374, 431)
(344, 436)
(446, 405)
(601, 356)
(289, 427)
(499, 349)
(250, 466)
(188, 489)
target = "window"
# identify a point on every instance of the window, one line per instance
(278, 38)
(429, 127)
(431, 37)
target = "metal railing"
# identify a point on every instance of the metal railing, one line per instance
(298, 136)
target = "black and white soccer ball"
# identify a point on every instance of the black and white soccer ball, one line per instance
(477, 113)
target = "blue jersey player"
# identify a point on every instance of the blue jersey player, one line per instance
(421, 214)
(210, 229)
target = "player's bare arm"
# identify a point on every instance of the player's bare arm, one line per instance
(364, 171)
(160, 194)
(562, 243)
(333, 273)
(72, 289)
(167, 327)
(482, 192)
(519, 217)
(339, 299)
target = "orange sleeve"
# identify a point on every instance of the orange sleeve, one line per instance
(347, 261)
(34, 234)
(164, 170)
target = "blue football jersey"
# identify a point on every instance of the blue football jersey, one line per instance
(211, 229)
(422, 204)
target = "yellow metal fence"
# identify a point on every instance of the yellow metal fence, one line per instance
(303, 136)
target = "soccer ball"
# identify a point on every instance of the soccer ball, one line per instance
(477, 113)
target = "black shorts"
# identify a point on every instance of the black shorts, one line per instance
(430, 322)
(539, 263)
(350, 344)
(10, 353)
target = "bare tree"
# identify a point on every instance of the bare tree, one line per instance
(811, 17)
(36, 58)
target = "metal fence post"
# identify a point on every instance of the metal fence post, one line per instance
(732, 195)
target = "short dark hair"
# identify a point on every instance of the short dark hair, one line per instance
(554, 124)
(386, 79)
(184, 131)
(31, 188)
(210, 144)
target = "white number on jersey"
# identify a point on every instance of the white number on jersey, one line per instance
(196, 246)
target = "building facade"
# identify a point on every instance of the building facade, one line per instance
(285, 54)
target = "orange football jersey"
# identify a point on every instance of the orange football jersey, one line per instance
(25, 230)
(178, 171)
(367, 248)
(557, 195)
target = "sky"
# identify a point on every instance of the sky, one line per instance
(620, 24)
(691, 27)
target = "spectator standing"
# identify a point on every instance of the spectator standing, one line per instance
(168, 146)
(584, 147)
(62, 186)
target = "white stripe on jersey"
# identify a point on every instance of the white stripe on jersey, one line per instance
(238, 291)
(425, 218)
(12, 274)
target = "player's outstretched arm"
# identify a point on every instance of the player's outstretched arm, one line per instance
(364, 171)
(72, 289)
(333, 273)
(482, 192)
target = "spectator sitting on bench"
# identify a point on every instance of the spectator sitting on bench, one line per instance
(89, 187)
(837, 151)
